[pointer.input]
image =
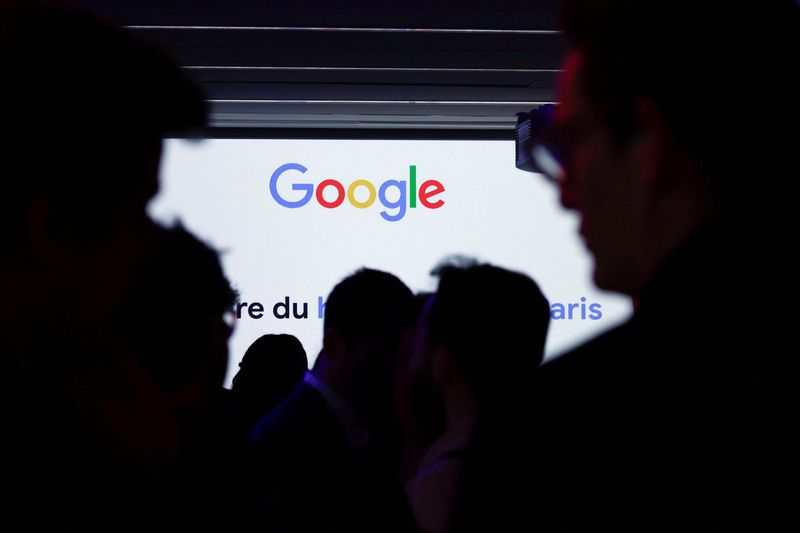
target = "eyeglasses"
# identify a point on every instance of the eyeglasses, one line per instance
(537, 148)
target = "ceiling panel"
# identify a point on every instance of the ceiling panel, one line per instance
(312, 64)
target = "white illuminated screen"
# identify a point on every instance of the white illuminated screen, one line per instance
(493, 212)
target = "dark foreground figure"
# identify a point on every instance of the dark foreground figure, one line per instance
(681, 418)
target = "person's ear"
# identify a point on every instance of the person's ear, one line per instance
(335, 346)
(651, 144)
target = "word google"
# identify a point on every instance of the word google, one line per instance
(406, 196)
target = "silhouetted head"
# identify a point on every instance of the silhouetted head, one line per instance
(175, 320)
(488, 325)
(269, 370)
(660, 128)
(363, 317)
(360, 305)
(689, 60)
(85, 107)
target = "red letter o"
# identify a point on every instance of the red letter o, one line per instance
(339, 191)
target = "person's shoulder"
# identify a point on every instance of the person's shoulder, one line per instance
(301, 420)
(598, 355)
(286, 416)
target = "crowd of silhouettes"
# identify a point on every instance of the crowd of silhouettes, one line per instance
(423, 412)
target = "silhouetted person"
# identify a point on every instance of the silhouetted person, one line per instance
(481, 337)
(184, 347)
(86, 108)
(679, 418)
(271, 367)
(176, 317)
(319, 452)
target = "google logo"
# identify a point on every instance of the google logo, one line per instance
(406, 196)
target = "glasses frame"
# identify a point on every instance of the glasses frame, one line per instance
(537, 148)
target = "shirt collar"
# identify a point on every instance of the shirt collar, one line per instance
(356, 433)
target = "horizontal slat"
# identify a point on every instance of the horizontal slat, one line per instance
(353, 64)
